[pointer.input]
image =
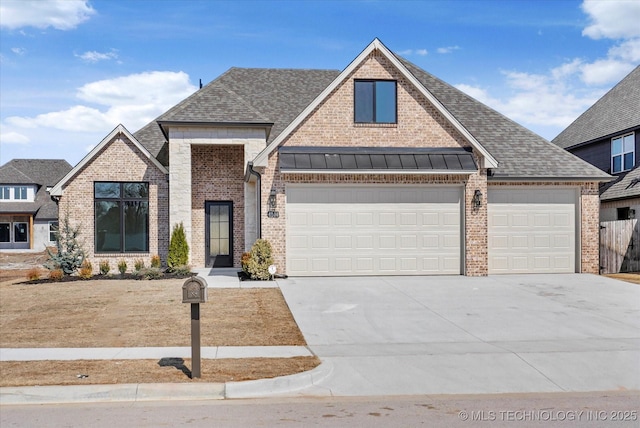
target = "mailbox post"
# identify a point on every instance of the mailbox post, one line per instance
(194, 291)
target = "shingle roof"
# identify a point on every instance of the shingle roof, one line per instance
(626, 186)
(42, 172)
(278, 96)
(617, 111)
(243, 95)
(520, 152)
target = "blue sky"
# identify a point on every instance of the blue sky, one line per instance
(70, 71)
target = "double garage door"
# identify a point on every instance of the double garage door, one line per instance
(345, 230)
(373, 230)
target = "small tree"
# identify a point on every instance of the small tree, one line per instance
(178, 248)
(69, 254)
(258, 264)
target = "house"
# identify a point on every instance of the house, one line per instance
(607, 135)
(28, 216)
(378, 169)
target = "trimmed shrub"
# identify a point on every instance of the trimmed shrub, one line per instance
(244, 261)
(150, 273)
(105, 267)
(178, 248)
(155, 261)
(86, 270)
(122, 266)
(33, 274)
(56, 274)
(258, 265)
(138, 265)
(182, 270)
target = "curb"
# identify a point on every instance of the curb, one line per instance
(134, 392)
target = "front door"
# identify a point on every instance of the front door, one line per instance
(219, 234)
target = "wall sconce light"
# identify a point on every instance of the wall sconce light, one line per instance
(273, 202)
(477, 199)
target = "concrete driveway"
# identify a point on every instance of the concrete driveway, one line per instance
(459, 335)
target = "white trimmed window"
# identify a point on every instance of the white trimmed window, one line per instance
(53, 228)
(622, 153)
(20, 192)
(5, 192)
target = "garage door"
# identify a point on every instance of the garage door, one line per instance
(366, 230)
(532, 230)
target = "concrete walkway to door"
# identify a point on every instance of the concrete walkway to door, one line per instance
(462, 335)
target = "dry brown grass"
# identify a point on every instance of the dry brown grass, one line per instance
(634, 278)
(31, 373)
(131, 313)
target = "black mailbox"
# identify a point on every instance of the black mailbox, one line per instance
(194, 290)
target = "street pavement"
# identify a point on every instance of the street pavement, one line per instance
(429, 335)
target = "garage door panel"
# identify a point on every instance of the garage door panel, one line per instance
(532, 230)
(377, 230)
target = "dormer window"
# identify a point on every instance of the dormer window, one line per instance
(622, 153)
(375, 101)
(20, 192)
(5, 193)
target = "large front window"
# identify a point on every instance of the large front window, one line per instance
(375, 101)
(121, 217)
(622, 153)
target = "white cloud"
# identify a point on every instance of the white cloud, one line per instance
(448, 49)
(94, 56)
(409, 52)
(13, 138)
(132, 100)
(59, 14)
(422, 52)
(612, 19)
(19, 51)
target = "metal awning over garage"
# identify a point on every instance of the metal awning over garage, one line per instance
(379, 160)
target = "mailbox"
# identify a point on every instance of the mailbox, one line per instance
(194, 290)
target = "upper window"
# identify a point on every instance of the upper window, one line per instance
(20, 192)
(375, 101)
(622, 153)
(53, 228)
(5, 192)
(121, 217)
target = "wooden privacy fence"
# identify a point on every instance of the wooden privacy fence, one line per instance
(619, 246)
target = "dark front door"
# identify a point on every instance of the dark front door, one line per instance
(219, 234)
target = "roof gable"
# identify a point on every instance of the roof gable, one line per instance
(615, 112)
(261, 158)
(120, 129)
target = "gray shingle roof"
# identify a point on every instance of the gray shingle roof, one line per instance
(617, 111)
(243, 95)
(43, 173)
(626, 186)
(278, 96)
(519, 152)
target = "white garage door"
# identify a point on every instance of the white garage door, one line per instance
(532, 230)
(367, 230)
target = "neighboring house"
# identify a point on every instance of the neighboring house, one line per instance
(379, 169)
(28, 215)
(607, 135)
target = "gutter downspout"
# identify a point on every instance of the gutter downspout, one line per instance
(251, 171)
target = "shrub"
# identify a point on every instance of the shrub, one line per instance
(68, 254)
(122, 266)
(86, 270)
(33, 274)
(178, 248)
(182, 270)
(258, 265)
(138, 265)
(155, 261)
(105, 267)
(150, 273)
(244, 261)
(56, 274)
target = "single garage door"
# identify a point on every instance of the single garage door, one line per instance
(532, 230)
(372, 230)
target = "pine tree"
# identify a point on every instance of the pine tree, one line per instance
(178, 248)
(69, 255)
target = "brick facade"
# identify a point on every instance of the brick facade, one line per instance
(217, 174)
(119, 160)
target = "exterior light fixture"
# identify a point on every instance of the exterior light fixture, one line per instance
(273, 202)
(477, 199)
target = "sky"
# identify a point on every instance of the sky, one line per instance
(72, 70)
